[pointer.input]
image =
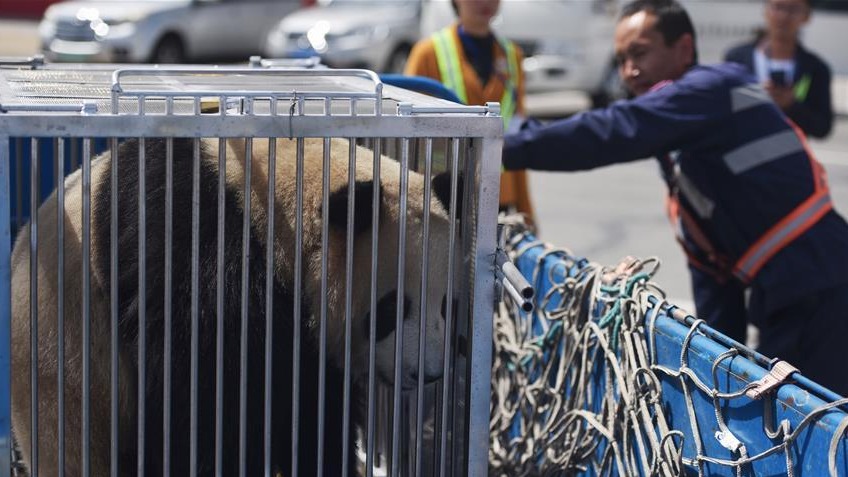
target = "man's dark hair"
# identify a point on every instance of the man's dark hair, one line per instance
(672, 20)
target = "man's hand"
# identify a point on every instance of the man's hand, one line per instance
(783, 96)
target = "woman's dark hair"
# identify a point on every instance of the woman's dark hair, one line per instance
(672, 20)
(455, 9)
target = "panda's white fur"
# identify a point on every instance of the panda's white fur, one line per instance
(284, 264)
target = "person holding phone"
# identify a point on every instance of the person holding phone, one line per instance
(797, 80)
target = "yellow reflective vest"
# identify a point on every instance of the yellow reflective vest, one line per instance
(442, 57)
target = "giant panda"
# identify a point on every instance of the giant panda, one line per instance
(283, 319)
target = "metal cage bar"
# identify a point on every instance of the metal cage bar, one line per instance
(5, 308)
(325, 115)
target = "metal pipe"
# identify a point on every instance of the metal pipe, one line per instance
(401, 295)
(169, 237)
(514, 276)
(195, 290)
(33, 303)
(60, 299)
(298, 291)
(351, 187)
(372, 326)
(523, 303)
(269, 297)
(19, 181)
(114, 308)
(422, 330)
(446, 372)
(142, 294)
(86, 305)
(322, 340)
(5, 304)
(245, 287)
(219, 342)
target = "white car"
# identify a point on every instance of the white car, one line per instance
(371, 34)
(159, 31)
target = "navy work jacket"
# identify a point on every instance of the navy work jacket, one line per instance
(732, 160)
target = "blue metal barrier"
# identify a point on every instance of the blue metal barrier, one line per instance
(799, 402)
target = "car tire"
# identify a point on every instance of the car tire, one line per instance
(397, 60)
(169, 50)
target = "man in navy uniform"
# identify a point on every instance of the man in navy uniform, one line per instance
(750, 204)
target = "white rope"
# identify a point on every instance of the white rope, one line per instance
(576, 386)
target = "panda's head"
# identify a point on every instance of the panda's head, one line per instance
(435, 302)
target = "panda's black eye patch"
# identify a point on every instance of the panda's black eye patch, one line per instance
(363, 193)
(386, 315)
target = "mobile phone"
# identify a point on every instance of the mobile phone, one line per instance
(778, 77)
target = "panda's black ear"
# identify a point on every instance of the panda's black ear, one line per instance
(441, 185)
(363, 193)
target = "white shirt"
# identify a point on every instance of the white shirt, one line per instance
(763, 66)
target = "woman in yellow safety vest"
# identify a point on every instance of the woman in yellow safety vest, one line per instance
(479, 66)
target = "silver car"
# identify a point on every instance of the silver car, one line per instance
(372, 34)
(159, 31)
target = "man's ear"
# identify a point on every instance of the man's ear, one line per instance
(684, 49)
(441, 185)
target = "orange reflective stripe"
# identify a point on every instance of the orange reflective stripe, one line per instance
(801, 219)
(782, 234)
(678, 215)
(819, 175)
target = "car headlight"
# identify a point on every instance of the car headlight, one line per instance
(47, 28)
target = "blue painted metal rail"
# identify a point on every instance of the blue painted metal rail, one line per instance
(817, 446)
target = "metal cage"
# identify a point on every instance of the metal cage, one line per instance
(71, 120)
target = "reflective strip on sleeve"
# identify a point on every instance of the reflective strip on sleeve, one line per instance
(763, 150)
(748, 96)
(447, 57)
